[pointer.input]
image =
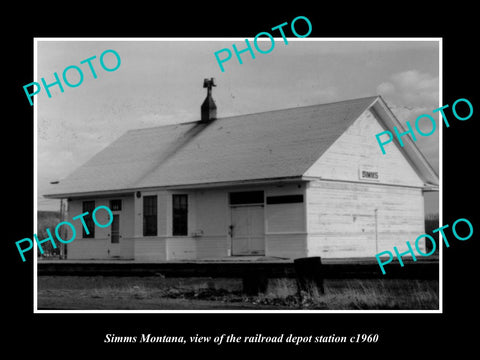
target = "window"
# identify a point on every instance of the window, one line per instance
(116, 205)
(150, 215)
(246, 197)
(180, 215)
(284, 199)
(285, 214)
(88, 206)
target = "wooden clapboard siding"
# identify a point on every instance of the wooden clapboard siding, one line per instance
(213, 246)
(212, 219)
(162, 209)
(98, 247)
(357, 147)
(150, 248)
(285, 218)
(127, 248)
(163, 203)
(177, 247)
(82, 249)
(284, 189)
(288, 245)
(341, 218)
(75, 209)
(341, 213)
(211, 212)
(181, 248)
(285, 224)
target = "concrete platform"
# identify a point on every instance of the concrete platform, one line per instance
(239, 267)
(233, 259)
(227, 259)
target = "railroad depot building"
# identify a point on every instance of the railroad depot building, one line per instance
(305, 181)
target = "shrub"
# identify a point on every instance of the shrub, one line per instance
(47, 219)
(432, 223)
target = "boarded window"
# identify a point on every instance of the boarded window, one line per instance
(246, 197)
(285, 218)
(88, 206)
(150, 215)
(180, 215)
(116, 205)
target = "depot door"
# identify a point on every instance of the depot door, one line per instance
(115, 237)
(248, 230)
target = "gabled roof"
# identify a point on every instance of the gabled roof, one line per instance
(269, 145)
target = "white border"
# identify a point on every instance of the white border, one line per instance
(35, 179)
(307, 312)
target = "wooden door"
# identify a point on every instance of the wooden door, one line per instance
(248, 230)
(115, 236)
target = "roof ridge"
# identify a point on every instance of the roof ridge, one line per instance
(258, 113)
(302, 107)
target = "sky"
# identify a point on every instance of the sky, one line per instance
(161, 82)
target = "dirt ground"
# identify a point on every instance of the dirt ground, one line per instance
(63, 300)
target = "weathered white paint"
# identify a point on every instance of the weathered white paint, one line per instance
(288, 245)
(178, 247)
(164, 203)
(341, 218)
(357, 148)
(181, 248)
(248, 230)
(84, 249)
(285, 218)
(100, 246)
(282, 224)
(213, 246)
(336, 219)
(286, 223)
(150, 248)
(212, 222)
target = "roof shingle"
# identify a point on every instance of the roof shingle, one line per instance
(274, 144)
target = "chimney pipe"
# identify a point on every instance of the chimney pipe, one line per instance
(208, 109)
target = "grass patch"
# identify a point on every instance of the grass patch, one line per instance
(359, 294)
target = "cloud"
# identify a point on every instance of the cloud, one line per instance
(429, 145)
(410, 88)
(410, 94)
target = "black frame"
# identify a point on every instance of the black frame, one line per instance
(179, 214)
(284, 199)
(116, 204)
(150, 215)
(88, 206)
(247, 197)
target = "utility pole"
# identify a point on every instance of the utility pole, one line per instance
(63, 230)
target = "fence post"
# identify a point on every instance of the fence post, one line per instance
(254, 281)
(63, 231)
(309, 275)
